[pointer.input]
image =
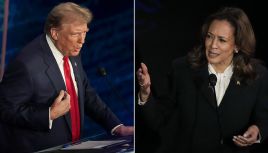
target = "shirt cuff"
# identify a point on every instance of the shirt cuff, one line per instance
(50, 121)
(112, 131)
(141, 103)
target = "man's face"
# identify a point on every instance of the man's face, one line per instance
(70, 37)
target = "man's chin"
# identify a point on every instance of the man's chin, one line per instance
(75, 53)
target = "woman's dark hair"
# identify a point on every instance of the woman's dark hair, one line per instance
(244, 40)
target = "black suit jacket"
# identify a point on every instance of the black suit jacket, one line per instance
(188, 120)
(29, 87)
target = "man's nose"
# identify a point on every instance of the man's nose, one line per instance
(81, 39)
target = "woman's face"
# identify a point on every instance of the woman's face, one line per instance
(220, 44)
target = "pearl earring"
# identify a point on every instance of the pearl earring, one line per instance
(235, 50)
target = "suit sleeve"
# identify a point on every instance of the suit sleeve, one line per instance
(96, 109)
(161, 109)
(261, 111)
(17, 107)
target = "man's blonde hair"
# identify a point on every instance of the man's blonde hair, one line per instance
(66, 12)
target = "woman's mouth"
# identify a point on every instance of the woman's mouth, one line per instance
(213, 54)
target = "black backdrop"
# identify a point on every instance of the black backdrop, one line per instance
(167, 29)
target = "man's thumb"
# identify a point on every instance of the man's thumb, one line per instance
(60, 96)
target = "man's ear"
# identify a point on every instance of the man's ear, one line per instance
(54, 33)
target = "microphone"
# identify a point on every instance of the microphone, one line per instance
(212, 80)
(102, 71)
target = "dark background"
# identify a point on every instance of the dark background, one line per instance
(109, 44)
(168, 29)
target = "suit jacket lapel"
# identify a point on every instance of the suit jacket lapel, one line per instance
(201, 81)
(53, 72)
(232, 90)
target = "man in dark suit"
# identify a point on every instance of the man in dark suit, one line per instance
(45, 93)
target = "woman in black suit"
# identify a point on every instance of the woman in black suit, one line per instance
(229, 115)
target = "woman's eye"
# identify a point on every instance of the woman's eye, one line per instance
(222, 40)
(209, 36)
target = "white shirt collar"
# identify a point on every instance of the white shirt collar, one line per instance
(227, 72)
(223, 80)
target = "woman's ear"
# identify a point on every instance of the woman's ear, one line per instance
(236, 50)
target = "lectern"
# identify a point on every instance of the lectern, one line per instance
(101, 143)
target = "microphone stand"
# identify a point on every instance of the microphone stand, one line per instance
(103, 73)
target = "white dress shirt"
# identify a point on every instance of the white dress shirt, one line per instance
(223, 80)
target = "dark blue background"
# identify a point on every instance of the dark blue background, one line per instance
(109, 44)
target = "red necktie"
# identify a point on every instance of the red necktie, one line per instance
(75, 115)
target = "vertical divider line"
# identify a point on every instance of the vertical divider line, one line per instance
(4, 39)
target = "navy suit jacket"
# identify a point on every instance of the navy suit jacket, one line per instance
(187, 117)
(29, 87)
